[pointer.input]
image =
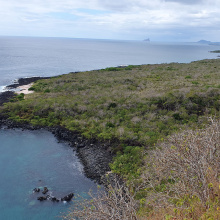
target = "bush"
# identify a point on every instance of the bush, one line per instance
(112, 69)
(185, 169)
(46, 91)
(188, 77)
(128, 163)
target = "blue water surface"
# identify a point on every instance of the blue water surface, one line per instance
(30, 159)
(35, 56)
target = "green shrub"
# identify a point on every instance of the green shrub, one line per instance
(195, 82)
(112, 69)
(129, 67)
(188, 77)
(128, 162)
(46, 90)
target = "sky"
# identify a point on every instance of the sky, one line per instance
(159, 20)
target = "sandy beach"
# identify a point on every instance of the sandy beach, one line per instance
(24, 89)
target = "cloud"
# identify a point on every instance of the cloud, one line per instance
(125, 19)
(187, 2)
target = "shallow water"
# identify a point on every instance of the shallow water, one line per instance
(30, 159)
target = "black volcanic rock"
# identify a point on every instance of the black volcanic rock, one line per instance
(36, 190)
(45, 190)
(42, 198)
(96, 159)
(54, 199)
(25, 81)
(68, 197)
(6, 96)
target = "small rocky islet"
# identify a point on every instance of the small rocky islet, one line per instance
(46, 196)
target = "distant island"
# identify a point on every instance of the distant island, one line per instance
(204, 42)
(147, 39)
(208, 42)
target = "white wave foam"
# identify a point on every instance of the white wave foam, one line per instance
(3, 88)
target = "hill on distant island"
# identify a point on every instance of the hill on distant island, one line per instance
(204, 42)
(208, 42)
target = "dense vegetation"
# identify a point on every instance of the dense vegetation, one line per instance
(137, 105)
(134, 106)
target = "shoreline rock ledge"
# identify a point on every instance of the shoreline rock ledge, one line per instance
(94, 155)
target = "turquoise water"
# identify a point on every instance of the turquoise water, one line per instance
(30, 159)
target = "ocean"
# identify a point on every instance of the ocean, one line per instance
(30, 159)
(30, 56)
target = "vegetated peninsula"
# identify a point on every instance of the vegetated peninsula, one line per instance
(148, 114)
(215, 51)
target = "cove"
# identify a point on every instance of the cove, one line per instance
(30, 159)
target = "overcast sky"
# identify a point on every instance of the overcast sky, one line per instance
(159, 20)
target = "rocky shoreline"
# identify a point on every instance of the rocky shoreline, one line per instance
(6, 96)
(94, 155)
(25, 81)
(10, 94)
